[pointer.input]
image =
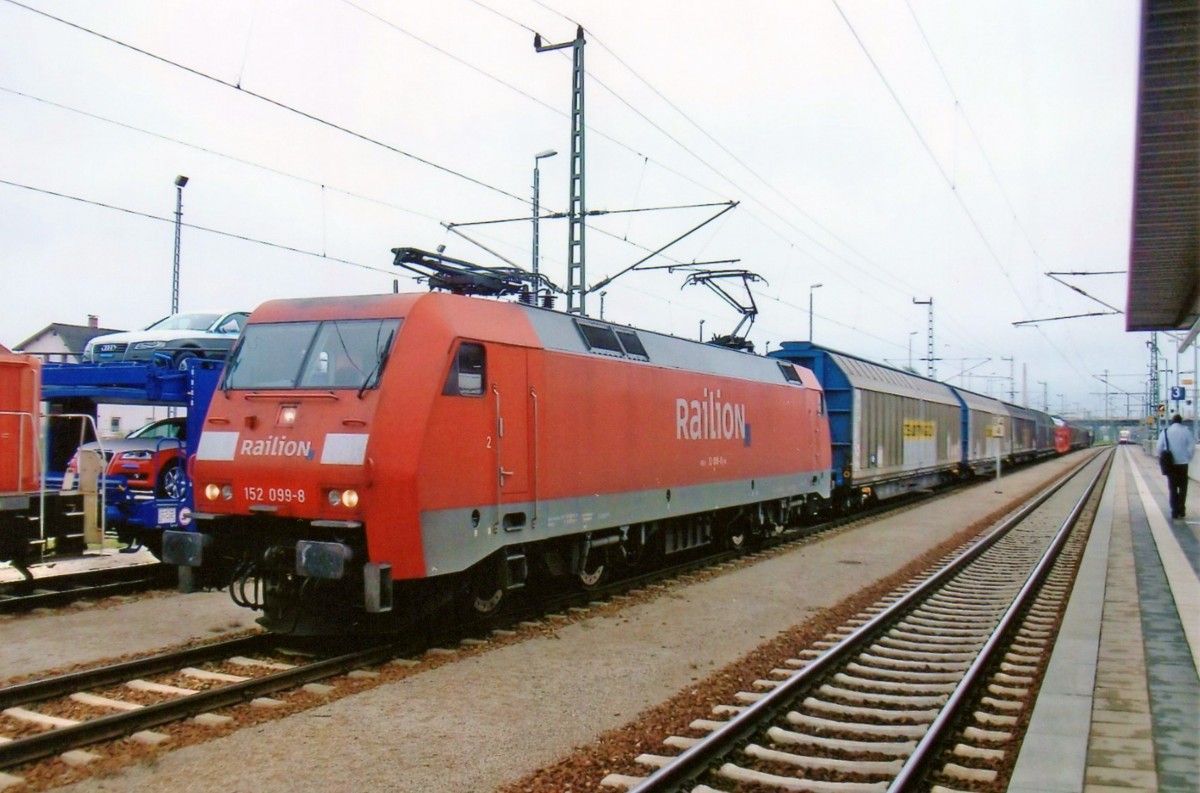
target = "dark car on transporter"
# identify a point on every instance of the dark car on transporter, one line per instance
(174, 339)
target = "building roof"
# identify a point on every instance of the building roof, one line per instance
(1164, 257)
(74, 337)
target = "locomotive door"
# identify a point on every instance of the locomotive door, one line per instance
(510, 399)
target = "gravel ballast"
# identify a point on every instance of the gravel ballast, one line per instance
(495, 717)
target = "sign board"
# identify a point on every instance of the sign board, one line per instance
(1178, 392)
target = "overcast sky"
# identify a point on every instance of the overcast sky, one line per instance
(887, 150)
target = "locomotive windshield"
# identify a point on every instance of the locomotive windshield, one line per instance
(331, 354)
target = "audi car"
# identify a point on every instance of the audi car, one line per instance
(172, 340)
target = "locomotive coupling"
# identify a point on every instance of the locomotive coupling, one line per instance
(184, 548)
(322, 559)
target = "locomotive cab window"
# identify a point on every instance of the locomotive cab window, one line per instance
(468, 371)
(349, 353)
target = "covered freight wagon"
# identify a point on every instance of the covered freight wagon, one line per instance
(892, 431)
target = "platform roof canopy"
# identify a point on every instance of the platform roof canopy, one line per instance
(1164, 257)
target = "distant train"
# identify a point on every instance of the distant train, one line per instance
(369, 460)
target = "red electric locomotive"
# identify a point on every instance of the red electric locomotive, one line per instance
(370, 459)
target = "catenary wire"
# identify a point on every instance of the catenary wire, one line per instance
(207, 229)
(274, 102)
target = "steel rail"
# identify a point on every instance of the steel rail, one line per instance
(62, 685)
(38, 747)
(916, 766)
(25, 594)
(696, 761)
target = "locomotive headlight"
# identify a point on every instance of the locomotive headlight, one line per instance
(227, 492)
(286, 416)
(212, 491)
(343, 498)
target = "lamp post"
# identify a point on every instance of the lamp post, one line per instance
(180, 183)
(537, 210)
(811, 287)
(701, 330)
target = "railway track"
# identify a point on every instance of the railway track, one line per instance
(929, 687)
(46, 718)
(54, 591)
(57, 716)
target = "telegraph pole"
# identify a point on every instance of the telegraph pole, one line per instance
(576, 210)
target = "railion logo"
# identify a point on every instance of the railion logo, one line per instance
(277, 446)
(708, 418)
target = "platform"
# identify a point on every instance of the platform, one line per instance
(1120, 707)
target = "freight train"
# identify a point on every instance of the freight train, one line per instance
(367, 461)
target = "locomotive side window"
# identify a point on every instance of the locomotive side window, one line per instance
(468, 372)
(599, 338)
(789, 373)
(632, 344)
(607, 340)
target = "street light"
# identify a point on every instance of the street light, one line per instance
(180, 183)
(537, 210)
(810, 309)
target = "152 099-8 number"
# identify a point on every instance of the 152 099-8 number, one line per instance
(275, 495)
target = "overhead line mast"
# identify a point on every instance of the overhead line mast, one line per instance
(576, 269)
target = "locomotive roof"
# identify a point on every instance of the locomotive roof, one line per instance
(554, 330)
(562, 332)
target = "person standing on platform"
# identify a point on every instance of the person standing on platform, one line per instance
(1179, 441)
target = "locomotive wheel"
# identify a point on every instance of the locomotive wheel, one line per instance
(596, 564)
(736, 539)
(487, 605)
(483, 595)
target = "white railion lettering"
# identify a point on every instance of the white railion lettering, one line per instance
(276, 446)
(709, 418)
